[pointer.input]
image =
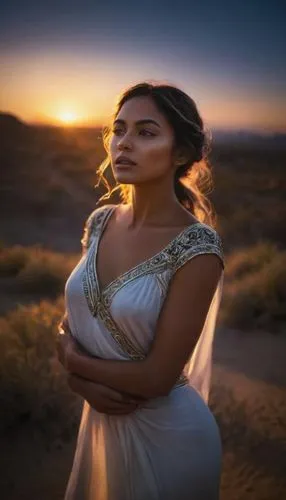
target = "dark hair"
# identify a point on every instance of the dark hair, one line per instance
(193, 179)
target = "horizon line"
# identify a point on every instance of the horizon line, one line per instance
(97, 125)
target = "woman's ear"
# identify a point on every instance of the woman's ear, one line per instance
(181, 157)
(180, 161)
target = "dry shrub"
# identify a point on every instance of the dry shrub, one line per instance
(32, 382)
(12, 260)
(255, 289)
(36, 270)
(249, 260)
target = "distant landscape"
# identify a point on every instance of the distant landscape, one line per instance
(47, 191)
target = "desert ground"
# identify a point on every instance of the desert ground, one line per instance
(47, 192)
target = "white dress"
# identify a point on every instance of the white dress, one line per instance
(169, 449)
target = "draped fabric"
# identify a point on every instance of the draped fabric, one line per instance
(170, 448)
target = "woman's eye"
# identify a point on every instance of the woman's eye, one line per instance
(147, 132)
(117, 131)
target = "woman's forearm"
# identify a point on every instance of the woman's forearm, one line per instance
(133, 377)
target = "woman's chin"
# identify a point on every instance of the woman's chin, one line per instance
(124, 177)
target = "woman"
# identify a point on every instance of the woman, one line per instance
(141, 312)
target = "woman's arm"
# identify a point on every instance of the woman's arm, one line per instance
(179, 327)
(75, 359)
(102, 398)
(132, 377)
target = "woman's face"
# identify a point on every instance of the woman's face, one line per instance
(148, 143)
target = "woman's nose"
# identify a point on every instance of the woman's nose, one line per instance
(124, 143)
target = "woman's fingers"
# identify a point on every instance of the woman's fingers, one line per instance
(115, 398)
(119, 397)
(63, 325)
(97, 394)
(77, 384)
(64, 346)
(61, 348)
(125, 411)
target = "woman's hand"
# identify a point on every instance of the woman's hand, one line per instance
(66, 344)
(102, 398)
(66, 347)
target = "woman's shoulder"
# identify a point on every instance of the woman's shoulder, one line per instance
(200, 232)
(199, 238)
(98, 212)
(92, 224)
(208, 232)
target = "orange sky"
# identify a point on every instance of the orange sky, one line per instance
(51, 88)
(63, 65)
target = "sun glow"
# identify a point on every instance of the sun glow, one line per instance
(68, 117)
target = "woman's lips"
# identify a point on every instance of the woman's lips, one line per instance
(121, 166)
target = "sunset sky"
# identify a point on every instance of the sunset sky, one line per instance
(66, 61)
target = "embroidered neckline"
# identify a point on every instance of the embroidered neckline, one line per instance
(172, 256)
(135, 270)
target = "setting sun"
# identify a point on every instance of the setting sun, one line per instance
(68, 117)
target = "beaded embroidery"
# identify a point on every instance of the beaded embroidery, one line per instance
(196, 239)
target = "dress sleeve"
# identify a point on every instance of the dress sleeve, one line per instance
(89, 230)
(87, 233)
(92, 226)
(200, 240)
